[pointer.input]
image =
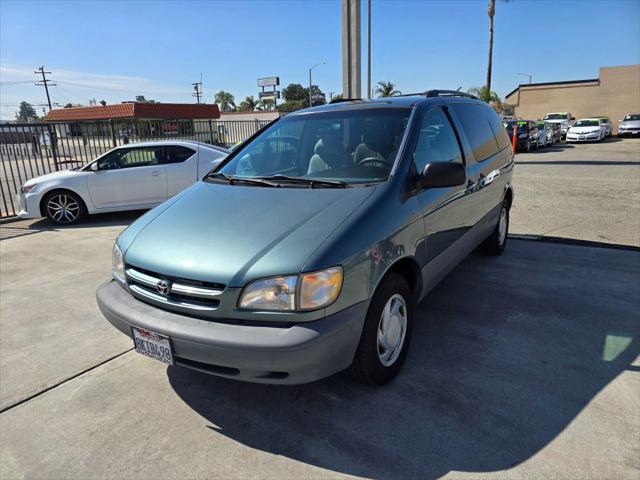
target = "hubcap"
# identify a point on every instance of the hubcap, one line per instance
(502, 226)
(63, 208)
(392, 330)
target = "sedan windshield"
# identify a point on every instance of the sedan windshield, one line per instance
(587, 123)
(631, 118)
(556, 116)
(350, 146)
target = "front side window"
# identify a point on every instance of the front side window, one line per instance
(352, 146)
(131, 157)
(479, 132)
(437, 141)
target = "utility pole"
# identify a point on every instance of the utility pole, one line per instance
(311, 83)
(45, 82)
(369, 49)
(197, 87)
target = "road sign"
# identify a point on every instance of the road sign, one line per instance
(269, 94)
(269, 82)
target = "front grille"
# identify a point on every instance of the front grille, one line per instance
(174, 291)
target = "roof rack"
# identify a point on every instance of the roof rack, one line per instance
(340, 100)
(439, 93)
(448, 93)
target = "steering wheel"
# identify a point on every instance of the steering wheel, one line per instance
(373, 160)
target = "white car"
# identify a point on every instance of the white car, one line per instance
(586, 130)
(564, 119)
(130, 177)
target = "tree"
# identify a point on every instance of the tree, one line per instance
(386, 89)
(26, 112)
(103, 103)
(491, 12)
(225, 101)
(249, 104)
(483, 94)
(297, 97)
(266, 104)
(336, 97)
(295, 92)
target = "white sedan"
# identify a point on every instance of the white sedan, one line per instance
(587, 130)
(129, 177)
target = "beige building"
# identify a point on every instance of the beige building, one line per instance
(614, 94)
(262, 115)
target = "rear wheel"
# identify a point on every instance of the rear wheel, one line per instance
(64, 207)
(386, 334)
(497, 241)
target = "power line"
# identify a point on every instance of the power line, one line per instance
(46, 83)
(121, 90)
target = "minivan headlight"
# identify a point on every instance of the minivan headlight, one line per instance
(276, 293)
(309, 291)
(117, 263)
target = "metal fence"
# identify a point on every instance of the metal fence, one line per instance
(31, 150)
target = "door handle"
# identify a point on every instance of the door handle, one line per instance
(155, 173)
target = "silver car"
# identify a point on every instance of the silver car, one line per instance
(629, 126)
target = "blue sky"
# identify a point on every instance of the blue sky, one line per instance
(114, 50)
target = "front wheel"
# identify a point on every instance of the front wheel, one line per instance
(497, 241)
(64, 208)
(386, 333)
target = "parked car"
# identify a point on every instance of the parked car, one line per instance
(544, 134)
(629, 126)
(288, 265)
(129, 177)
(554, 130)
(564, 119)
(586, 130)
(527, 134)
(606, 123)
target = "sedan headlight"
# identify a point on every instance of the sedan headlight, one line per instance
(316, 290)
(27, 188)
(117, 263)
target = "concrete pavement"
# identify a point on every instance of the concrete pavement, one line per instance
(521, 366)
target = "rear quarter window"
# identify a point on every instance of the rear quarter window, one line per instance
(478, 130)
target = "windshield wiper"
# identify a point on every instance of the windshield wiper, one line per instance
(253, 180)
(312, 182)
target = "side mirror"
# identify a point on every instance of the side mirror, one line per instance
(442, 174)
(94, 167)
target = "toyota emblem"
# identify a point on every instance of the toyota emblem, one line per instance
(163, 287)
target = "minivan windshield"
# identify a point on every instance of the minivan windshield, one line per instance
(556, 116)
(350, 146)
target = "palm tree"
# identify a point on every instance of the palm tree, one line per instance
(491, 12)
(386, 89)
(226, 101)
(483, 94)
(249, 104)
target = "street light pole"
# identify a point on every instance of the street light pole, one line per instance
(369, 49)
(310, 84)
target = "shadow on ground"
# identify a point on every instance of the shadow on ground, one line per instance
(20, 229)
(505, 354)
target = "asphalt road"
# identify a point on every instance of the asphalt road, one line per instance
(522, 366)
(580, 191)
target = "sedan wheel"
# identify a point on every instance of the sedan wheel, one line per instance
(64, 208)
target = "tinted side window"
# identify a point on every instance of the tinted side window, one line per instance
(502, 137)
(176, 154)
(437, 141)
(478, 130)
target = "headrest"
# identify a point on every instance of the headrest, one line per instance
(329, 144)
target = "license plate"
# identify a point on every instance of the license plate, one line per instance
(152, 345)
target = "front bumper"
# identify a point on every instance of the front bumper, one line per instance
(288, 354)
(587, 137)
(28, 205)
(628, 133)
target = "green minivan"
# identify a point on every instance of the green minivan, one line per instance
(306, 250)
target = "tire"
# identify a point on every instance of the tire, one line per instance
(63, 207)
(497, 241)
(372, 363)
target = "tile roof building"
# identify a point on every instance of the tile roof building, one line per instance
(136, 110)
